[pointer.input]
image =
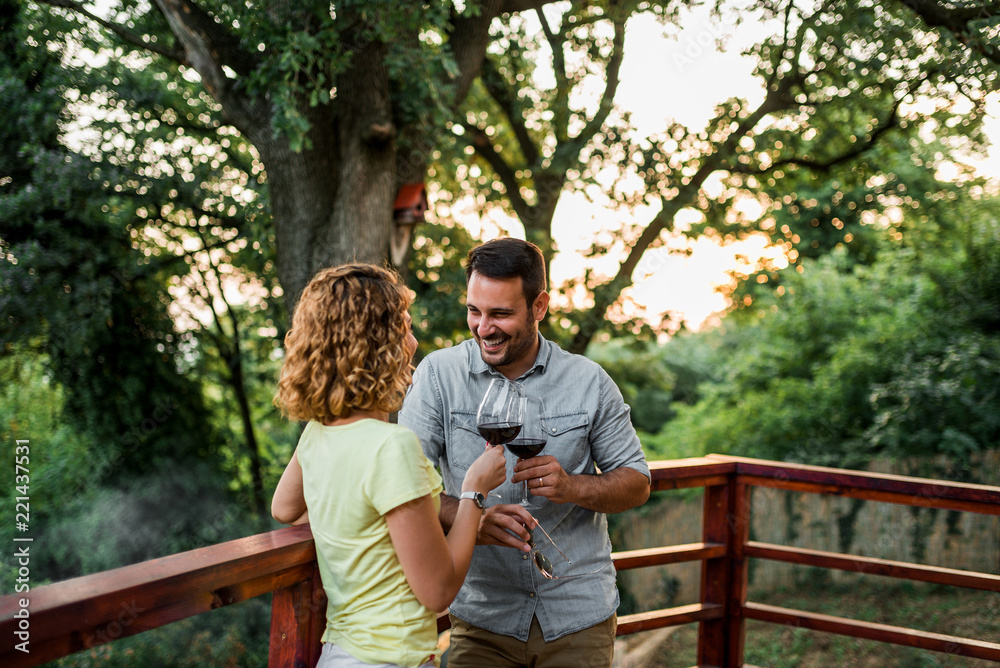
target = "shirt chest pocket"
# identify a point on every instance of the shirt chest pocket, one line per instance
(464, 443)
(568, 441)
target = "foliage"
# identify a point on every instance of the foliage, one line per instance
(645, 380)
(437, 277)
(150, 233)
(230, 636)
(182, 507)
(31, 406)
(652, 378)
(74, 287)
(898, 358)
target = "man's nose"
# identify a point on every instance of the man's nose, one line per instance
(485, 326)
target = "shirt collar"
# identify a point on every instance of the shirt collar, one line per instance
(478, 366)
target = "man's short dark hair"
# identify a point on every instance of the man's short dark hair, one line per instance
(509, 258)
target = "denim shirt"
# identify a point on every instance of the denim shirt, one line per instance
(589, 430)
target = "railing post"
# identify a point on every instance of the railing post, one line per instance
(726, 521)
(298, 619)
(739, 500)
(712, 634)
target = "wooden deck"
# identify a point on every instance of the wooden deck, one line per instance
(74, 615)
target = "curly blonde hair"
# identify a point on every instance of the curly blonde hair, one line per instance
(346, 350)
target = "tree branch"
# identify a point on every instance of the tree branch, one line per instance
(508, 105)
(176, 55)
(210, 48)
(612, 74)
(511, 6)
(890, 122)
(468, 39)
(556, 44)
(482, 145)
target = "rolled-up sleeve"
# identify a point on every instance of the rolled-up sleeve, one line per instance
(614, 442)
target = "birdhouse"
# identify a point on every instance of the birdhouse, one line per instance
(407, 211)
(411, 204)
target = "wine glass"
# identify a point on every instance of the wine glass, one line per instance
(532, 437)
(501, 413)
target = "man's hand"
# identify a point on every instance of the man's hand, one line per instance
(611, 492)
(505, 525)
(547, 478)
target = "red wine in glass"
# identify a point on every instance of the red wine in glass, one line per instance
(499, 417)
(498, 433)
(526, 448)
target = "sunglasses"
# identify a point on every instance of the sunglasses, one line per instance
(544, 565)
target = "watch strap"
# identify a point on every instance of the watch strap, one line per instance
(476, 497)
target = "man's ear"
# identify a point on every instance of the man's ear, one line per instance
(540, 306)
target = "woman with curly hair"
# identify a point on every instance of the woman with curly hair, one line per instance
(363, 484)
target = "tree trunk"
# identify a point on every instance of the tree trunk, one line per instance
(360, 224)
(331, 202)
(303, 188)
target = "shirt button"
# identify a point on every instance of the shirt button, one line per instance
(524, 556)
(531, 595)
(553, 430)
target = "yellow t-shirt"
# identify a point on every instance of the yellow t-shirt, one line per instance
(352, 476)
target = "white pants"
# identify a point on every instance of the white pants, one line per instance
(335, 657)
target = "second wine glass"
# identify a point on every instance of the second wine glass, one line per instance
(532, 437)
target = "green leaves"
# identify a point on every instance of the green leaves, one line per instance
(853, 361)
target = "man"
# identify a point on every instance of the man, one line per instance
(507, 613)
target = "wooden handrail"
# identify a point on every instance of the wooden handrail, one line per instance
(71, 616)
(952, 577)
(77, 614)
(884, 487)
(872, 631)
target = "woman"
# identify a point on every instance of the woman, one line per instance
(363, 484)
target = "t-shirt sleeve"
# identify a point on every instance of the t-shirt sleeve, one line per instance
(400, 472)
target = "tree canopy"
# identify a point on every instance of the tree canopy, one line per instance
(339, 103)
(852, 92)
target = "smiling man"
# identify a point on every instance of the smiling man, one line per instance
(508, 613)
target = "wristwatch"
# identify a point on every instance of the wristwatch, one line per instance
(476, 497)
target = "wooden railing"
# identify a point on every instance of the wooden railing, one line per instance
(60, 619)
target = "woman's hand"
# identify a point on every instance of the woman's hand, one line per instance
(486, 473)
